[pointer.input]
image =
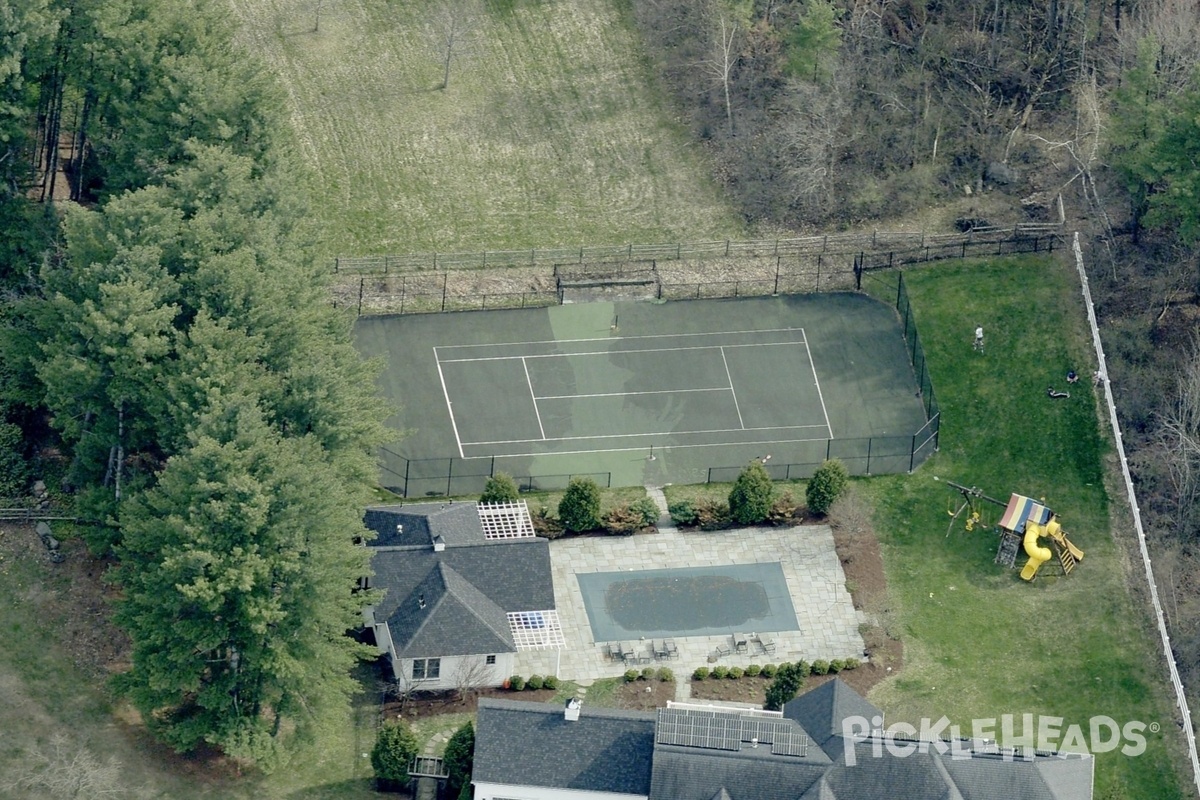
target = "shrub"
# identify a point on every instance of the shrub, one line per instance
(786, 685)
(851, 663)
(750, 498)
(700, 674)
(395, 747)
(682, 513)
(500, 488)
(720, 673)
(825, 485)
(622, 520)
(713, 516)
(665, 675)
(516, 683)
(753, 670)
(534, 683)
(646, 509)
(783, 509)
(836, 666)
(545, 525)
(14, 472)
(804, 667)
(648, 673)
(579, 509)
(735, 673)
(820, 667)
(769, 670)
(460, 750)
(632, 675)
(550, 682)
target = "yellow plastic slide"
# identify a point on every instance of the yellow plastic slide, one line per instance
(1038, 555)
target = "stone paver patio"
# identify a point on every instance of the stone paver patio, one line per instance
(824, 610)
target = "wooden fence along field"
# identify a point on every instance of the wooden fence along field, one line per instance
(436, 282)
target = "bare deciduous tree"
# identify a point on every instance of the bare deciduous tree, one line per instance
(1179, 435)
(65, 769)
(452, 33)
(471, 674)
(722, 56)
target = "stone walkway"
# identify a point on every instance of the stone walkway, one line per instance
(824, 610)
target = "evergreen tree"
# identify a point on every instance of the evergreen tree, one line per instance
(826, 484)
(460, 751)
(579, 509)
(1136, 129)
(789, 679)
(392, 755)
(237, 571)
(500, 488)
(750, 497)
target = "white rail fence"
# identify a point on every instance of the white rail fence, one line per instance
(1180, 695)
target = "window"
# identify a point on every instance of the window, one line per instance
(426, 669)
(490, 660)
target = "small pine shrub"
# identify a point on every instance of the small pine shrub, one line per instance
(720, 673)
(550, 682)
(735, 673)
(753, 670)
(500, 488)
(632, 675)
(534, 683)
(783, 509)
(820, 667)
(836, 666)
(648, 673)
(579, 509)
(665, 675)
(769, 670)
(713, 516)
(851, 663)
(646, 511)
(750, 498)
(826, 484)
(622, 521)
(700, 674)
(804, 667)
(516, 683)
(682, 513)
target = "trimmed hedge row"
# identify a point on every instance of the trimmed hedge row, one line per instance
(819, 667)
(534, 682)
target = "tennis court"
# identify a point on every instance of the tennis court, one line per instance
(640, 392)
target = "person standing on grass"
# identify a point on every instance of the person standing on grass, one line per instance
(979, 338)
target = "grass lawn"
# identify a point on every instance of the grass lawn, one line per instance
(979, 641)
(548, 133)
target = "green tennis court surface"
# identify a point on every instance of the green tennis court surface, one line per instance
(660, 396)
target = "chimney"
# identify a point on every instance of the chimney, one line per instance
(439, 544)
(421, 601)
(572, 711)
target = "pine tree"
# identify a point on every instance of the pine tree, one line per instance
(750, 497)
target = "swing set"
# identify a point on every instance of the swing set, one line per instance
(1022, 524)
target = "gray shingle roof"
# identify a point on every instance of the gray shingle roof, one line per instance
(532, 744)
(467, 587)
(689, 773)
(821, 711)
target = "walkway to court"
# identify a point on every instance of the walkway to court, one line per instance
(827, 619)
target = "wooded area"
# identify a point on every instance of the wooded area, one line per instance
(170, 358)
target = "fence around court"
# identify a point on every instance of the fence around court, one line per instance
(453, 477)
(439, 282)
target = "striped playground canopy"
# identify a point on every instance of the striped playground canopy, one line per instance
(1022, 509)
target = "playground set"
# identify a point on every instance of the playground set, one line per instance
(1022, 524)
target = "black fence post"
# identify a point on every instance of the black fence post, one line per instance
(828, 448)
(776, 275)
(361, 282)
(912, 454)
(449, 476)
(869, 441)
(407, 467)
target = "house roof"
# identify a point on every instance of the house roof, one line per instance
(822, 710)
(533, 744)
(723, 762)
(453, 601)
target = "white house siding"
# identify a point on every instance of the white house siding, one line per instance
(499, 791)
(452, 667)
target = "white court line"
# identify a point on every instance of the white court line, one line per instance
(818, 382)
(731, 391)
(630, 394)
(620, 352)
(618, 338)
(449, 406)
(641, 449)
(534, 396)
(656, 433)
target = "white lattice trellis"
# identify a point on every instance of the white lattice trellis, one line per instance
(506, 520)
(536, 630)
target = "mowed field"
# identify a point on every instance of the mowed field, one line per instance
(547, 134)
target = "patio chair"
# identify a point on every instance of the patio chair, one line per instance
(671, 648)
(741, 643)
(766, 643)
(723, 651)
